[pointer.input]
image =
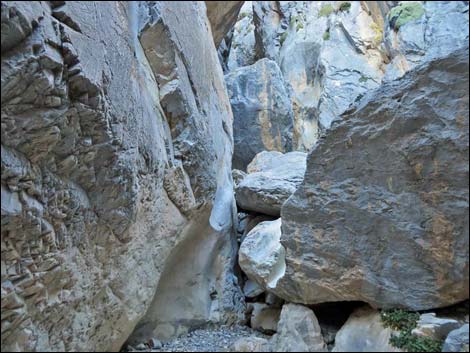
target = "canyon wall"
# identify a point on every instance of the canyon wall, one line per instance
(116, 174)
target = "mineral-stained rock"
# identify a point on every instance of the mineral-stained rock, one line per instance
(261, 254)
(263, 116)
(110, 174)
(382, 215)
(222, 17)
(457, 340)
(298, 330)
(364, 332)
(434, 327)
(273, 177)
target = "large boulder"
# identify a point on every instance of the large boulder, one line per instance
(298, 330)
(262, 110)
(112, 181)
(222, 17)
(261, 255)
(364, 332)
(273, 177)
(264, 318)
(383, 213)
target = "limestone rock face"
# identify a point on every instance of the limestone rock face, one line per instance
(382, 214)
(116, 172)
(298, 330)
(273, 177)
(333, 52)
(457, 340)
(222, 17)
(364, 332)
(263, 116)
(261, 254)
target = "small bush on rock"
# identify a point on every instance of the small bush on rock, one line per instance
(404, 322)
(345, 6)
(326, 10)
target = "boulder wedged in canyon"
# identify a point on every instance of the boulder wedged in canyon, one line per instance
(222, 16)
(272, 178)
(262, 110)
(261, 255)
(115, 159)
(382, 214)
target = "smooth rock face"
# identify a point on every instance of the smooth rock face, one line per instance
(435, 327)
(364, 332)
(262, 110)
(273, 177)
(457, 340)
(110, 174)
(222, 17)
(382, 215)
(298, 330)
(261, 255)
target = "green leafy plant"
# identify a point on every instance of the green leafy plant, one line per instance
(300, 25)
(363, 79)
(404, 13)
(326, 10)
(404, 322)
(344, 6)
(326, 35)
(283, 38)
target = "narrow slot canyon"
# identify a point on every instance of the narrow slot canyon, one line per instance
(235, 176)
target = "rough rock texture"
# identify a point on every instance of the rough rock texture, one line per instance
(364, 332)
(435, 327)
(262, 110)
(298, 330)
(331, 55)
(112, 177)
(251, 344)
(457, 340)
(382, 215)
(222, 17)
(272, 178)
(264, 318)
(261, 255)
(425, 30)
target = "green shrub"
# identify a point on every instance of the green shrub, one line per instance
(363, 79)
(326, 35)
(345, 6)
(300, 25)
(404, 322)
(283, 38)
(404, 13)
(326, 10)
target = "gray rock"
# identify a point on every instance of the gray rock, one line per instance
(273, 177)
(252, 289)
(298, 331)
(457, 340)
(364, 332)
(263, 116)
(388, 189)
(261, 255)
(264, 318)
(434, 327)
(251, 344)
(113, 179)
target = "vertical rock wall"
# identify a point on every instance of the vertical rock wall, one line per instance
(108, 173)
